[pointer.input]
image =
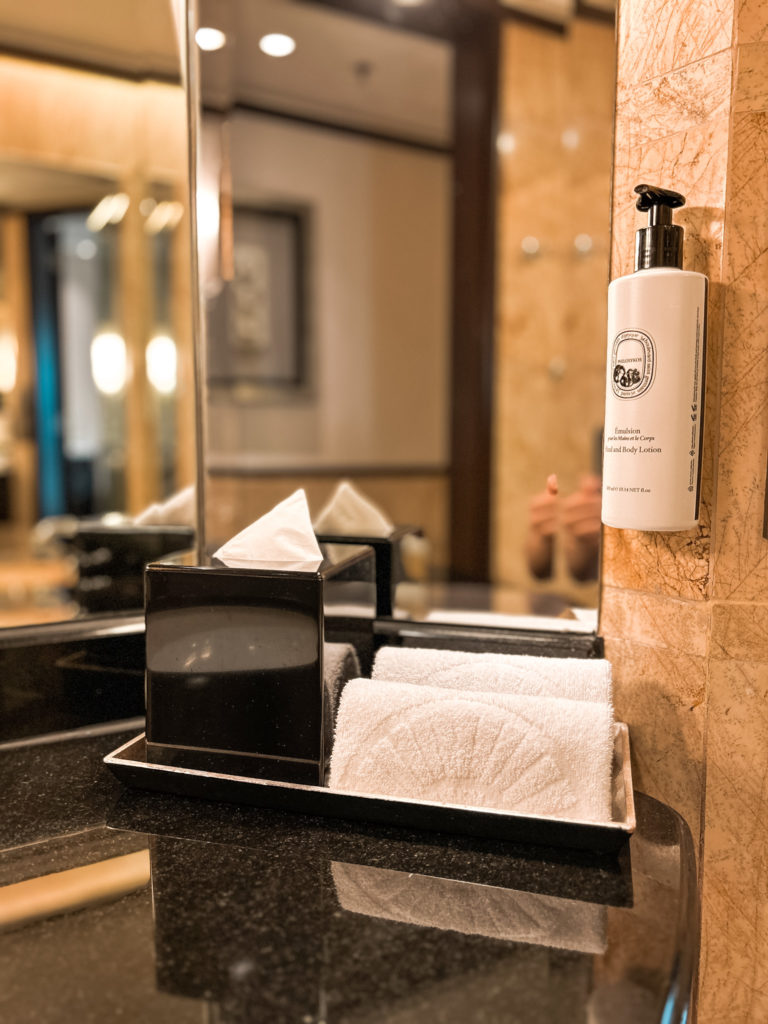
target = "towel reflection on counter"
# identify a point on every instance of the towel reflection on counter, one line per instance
(509, 915)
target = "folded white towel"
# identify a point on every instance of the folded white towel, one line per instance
(530, 755)
(470, 908)
(349, 513)
(178, 510)
(573, 678)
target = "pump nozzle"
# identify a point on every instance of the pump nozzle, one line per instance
(661, 243)
(652, 195)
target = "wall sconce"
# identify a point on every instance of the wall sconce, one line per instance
(162, 364)
(9, 361)
(109, 362)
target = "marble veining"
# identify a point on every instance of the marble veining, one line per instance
(751, 21)
(677, 101)
(656, 620)
(739, 631)
(741, 554)
(660, 563)
(693, 93)
(750, 85)
(662, 694)
(662, 35)
(734, 972)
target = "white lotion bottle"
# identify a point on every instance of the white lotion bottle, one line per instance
(654, 401)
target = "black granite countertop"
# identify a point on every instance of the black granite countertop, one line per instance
(118, 904)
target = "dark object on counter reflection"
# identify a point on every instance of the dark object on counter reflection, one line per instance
(69, 675)
(111, 560)
(235, 678)
(393, 563)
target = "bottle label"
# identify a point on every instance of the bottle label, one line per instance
(633, 364)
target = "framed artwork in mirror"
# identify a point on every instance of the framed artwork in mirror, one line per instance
(257, 326)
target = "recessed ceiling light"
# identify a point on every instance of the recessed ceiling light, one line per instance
(570, 138)
(277, 45)
(210, 38)
(506, 142)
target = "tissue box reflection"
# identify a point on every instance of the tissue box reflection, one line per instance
(401, 557)
(234, 678)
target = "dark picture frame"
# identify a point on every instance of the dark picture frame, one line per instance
(257, 329)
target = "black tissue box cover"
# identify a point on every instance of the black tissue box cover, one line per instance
(235, 667)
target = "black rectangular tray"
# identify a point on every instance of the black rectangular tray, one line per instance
(129, 763)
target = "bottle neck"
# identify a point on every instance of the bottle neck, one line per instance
(659, 245)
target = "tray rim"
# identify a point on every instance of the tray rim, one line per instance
(364, 804)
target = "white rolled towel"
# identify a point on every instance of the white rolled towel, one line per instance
(469, 908)
(572, 678)
(529, 755)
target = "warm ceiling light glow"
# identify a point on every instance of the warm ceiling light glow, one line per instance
(9, 360)
(164, 216)
(570, 138)
(208, 214)
(109, 362)
(109, 210)
(161, 364)
(210, 38)
(506, 142)
(277, 45)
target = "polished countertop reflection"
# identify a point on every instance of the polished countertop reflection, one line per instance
(118, 904)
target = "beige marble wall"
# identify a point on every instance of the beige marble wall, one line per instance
(556, 125)
(685, 616)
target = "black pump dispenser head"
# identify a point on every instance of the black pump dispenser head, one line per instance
(661, 243)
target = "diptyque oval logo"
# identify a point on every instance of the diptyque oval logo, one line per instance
(633, 364)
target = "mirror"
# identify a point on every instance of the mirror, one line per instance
(96, 391)
(349, 178)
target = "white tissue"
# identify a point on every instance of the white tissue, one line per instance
(284, 536)
(469, 908)
(526, 755)
(572, 678)
(348, 513)
(178, 510)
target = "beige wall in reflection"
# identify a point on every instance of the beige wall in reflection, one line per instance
(556, 124)
(378, 260)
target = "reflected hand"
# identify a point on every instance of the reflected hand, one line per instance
(581, 528)
(542, 527)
